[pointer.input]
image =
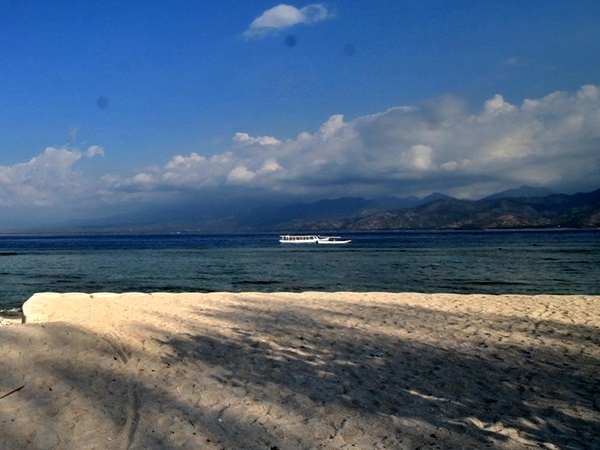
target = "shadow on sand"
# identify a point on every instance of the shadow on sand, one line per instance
(295, 376)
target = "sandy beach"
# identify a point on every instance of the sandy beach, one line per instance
(301, 371)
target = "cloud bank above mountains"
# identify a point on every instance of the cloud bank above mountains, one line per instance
(553, 141)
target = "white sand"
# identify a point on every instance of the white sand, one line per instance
(301, 371)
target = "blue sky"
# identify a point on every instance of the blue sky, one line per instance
(113, 105)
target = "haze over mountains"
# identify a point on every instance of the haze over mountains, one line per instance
(525, 207)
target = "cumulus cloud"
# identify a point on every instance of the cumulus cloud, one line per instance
(246, 139)
(284, 16)
(241, 175)
(551, 141)
(496, 106)
(46, 179)
(418, 157)
(94, 150)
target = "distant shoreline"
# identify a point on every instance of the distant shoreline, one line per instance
(277, 232)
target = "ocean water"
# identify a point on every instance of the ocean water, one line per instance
(491, 262)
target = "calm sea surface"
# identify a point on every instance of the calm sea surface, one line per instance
(493, 262)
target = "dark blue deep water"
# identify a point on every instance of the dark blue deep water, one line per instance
(494, 262)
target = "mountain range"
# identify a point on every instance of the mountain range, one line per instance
(524, 207)
(497, 212)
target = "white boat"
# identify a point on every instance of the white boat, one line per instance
(333, 240)
(298, 239)
(311, 239)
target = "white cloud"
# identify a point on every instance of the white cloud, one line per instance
(418, 157)
(497, 106)
(240, 175)
(246, 139)
(270, 165)
(94, 150)
(332, 126)
(144, 179)
(192, 160)
(47, 179)
(284, 16)
(552, 141)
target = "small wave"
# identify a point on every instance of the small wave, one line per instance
(257, 282)
(10, 312)
(499, 283)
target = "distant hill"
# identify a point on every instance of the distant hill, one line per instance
(557, 210)
(523, 191)
(515, 208)
(299, 215)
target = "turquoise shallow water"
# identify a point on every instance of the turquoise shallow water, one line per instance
(493, 262)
